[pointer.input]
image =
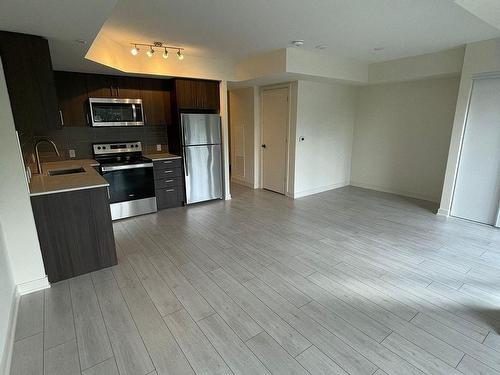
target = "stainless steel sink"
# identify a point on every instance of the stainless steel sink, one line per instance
(59, 172)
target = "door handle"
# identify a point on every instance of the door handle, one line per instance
(62, 117)
(263, 146)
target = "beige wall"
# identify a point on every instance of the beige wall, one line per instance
(7, 298)
(401, 136)
(242, 131)
(325, 118)
(480, 57)
(21, 265)
(18, 224)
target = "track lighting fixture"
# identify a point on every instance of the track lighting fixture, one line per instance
(151, 49)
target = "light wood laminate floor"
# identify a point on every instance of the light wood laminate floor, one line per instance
(349, 281)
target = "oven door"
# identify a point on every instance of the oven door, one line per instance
(129, 182)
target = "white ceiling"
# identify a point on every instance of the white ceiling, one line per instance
(239, 28)
(350, 28)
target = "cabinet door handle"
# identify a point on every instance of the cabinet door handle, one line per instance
(168, 171)
(169, 190)
(167, 162)
(109, 196)
(88, 120)
(169, 180)
(61, 117)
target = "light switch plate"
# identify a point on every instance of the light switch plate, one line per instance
(158, 147)
(72, 154)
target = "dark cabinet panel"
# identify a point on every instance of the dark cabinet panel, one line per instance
(42, 69)
(127, 87)
(30, 82)
(75, 232)
(100, 86)
(197, 94)
(156, 101)
(73, 99)
(104, 86)
(169, 197)
(169, 183)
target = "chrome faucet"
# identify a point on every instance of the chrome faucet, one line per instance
(39, 165)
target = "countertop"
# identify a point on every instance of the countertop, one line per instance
(161, 156)
(44, 184)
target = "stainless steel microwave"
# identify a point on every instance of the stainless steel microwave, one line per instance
(116, 112)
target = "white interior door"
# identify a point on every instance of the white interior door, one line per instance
(477, 189)
(274, 134)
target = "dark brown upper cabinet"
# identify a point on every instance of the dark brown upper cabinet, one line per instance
(103, 86)
(156, 101)
(127, 87)
(72, 97)
(30, 82)
(100, 86)
(196, 94)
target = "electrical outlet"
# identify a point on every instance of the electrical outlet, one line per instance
(158, 147)
(72, 153)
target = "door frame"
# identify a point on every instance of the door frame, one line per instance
(287, 181)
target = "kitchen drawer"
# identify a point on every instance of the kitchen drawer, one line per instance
(167, 173)
(168, 182)
(167, 164)
(169, 197)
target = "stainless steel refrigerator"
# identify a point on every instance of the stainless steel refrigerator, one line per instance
(201, 149)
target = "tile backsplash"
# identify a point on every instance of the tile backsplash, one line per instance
(81, 139)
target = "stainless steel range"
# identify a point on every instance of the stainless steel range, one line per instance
(130, 178)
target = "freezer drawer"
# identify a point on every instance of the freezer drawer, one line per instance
(203, 173)
(200, 129)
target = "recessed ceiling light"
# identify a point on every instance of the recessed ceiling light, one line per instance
(377, 49)
(297, 43)
(321, 46)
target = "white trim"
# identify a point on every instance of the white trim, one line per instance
(404, 193)
(317, 190)
(443, 212)
(486, 75)
(33, 286)
(239, 181)
(6, 359)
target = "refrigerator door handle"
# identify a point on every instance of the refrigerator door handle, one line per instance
(185, 163)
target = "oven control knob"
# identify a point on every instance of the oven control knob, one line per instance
(98, 147)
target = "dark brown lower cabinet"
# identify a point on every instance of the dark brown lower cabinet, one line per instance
(169, 183)
(75, 232)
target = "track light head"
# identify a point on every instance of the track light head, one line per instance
(134, 51)
(165, 54)
(150, 52)
(180, 56)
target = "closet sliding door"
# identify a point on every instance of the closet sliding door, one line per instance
(477, 188)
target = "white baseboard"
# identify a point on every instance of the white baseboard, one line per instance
(394, 191)
(443, 212)
(6, 359)
(305, 193)
(33, 286)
